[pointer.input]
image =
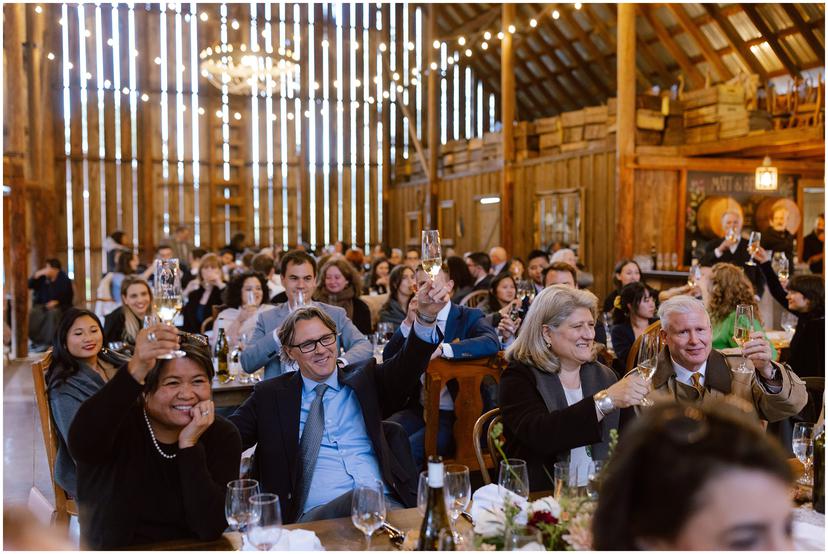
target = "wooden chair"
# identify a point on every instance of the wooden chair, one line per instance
(485, 460)
(472, 299)
(468, 404)
(65, 506)
(632, 357)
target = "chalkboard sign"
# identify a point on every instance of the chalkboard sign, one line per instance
(707, 186)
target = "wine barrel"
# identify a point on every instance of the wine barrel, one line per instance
(765, 210)
(709, 215)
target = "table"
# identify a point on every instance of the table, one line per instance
(231, 393)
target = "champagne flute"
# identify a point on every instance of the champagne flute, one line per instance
(648, 360)
(368, 509)
(432, 253)
(781, 266)
(514, 477)
(265, 529)
(802, 443)
(695, 275)
(742, 328)
(237, 508)
(753, 246)
(457, 487)
(167, 296)
(730, 235)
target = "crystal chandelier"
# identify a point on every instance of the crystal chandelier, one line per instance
(241, 68)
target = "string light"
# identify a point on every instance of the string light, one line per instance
(50, 55)
(60, 22)
(555, 14)
(235, 24)
(201, 111)
(433, 65)
(145, 97)
(109, 42)
(484, 45)
(383, 47)
(487, 35)
(87, 33)
(512, 29)
(577, 5)
(461, 41)
(500, 35)
(218, 114)
(38, 9)
(410, 46)
(436, 44)
(107, 83)
(325, 43)
(157, 60)
(533, 23)
(237, 116)
(468, 53)
(396, 76)
(203, 16)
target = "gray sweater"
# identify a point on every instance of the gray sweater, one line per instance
(64, 400)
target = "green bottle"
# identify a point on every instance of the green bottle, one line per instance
(819, 471)
(436, 515)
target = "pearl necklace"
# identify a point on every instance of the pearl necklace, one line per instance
(154, 441)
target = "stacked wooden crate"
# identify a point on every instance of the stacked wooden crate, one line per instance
(649, 120)
(550, 135)
(709, 111)
(526, 140)
(455, 156)
(573, 131)
(673, 122)
(596, 127)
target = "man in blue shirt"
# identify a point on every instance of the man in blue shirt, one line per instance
(319, 431)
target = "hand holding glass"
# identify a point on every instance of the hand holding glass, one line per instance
(742, 328)
(432, 253)
(167, 296)
(753, 246)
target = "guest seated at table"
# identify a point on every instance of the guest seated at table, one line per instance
(400, 292)
(695, 478)
(298, 271)
(319, 431)
(460, 275)
(200, 302)
(244, 298)
(480, 266)
(689, 370)
(377, 282)
(728, 287)
(338, 284)
(562, 273)
(626, 271)
(634, 311)
(502, 294)
(80, 367)
(466, 335)
(567, 255)
(123, 323)
(537, 262)
(557, 402)
(517, 269)
(153, 459)
(805, 298)
(52, 295)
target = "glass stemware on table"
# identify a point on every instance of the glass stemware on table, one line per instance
(237, 507)
(802, 444)
(514, 477)
(166, 296)
(368, 508)
(648, 351)
(457, 486)
(265, 527)
(742, 328)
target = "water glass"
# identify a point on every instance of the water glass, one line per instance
(789, 322)
(594, 479)
(457, 488)
(368, 509)
(567, 479)
(237, 507)
(523, 538)
(514, 477)
(422, 493)
(265, 528)
(802, 443)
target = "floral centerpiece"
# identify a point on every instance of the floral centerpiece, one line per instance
(564, 523)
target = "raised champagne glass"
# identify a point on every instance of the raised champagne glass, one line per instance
(753, 246)
(167, 301)
(742, 328)
(648, 352)
(432, 253)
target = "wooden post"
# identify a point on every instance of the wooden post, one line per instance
(625, 136)
(433, 112)
(507, 108)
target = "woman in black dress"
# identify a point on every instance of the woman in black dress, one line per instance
(200, 302)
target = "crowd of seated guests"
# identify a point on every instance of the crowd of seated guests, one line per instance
(148, 459)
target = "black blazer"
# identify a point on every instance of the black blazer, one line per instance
(543, 436)
(738, 258)
(269, 418)
(114, 324)
(195, 314)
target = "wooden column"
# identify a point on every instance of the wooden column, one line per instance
(507, 107)
(433, 118)
(147, 137)
(625, 136)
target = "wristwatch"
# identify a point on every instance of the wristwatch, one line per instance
(603, 402)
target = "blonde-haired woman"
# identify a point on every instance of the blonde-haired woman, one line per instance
(557, 402)
(123, 323)
(728, 287)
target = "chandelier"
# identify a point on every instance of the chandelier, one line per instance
(242, 69)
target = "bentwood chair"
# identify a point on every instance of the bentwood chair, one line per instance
(472, 299)
(65, 506)
(485, 459)
(632, 357)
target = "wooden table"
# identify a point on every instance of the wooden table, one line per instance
(231, 393)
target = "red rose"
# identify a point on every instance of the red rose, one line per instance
(542, 517)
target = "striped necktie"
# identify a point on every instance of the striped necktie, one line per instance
(697, 383)
(310, 442)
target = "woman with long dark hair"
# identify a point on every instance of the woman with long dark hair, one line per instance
(339, 284)
(80, 367)
(633, 312)
(377, 281)
(626, 271)
(244, 299)
(400, 291)
(502, 294)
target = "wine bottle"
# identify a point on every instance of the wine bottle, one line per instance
(654, 256)
(222, 349)
(436, 515)
(819, 471)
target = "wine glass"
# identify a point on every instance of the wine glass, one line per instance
(742, 328)
(237, 507)
(753, 246)
(368, 509)
(802, 443)
(298, 301)
(781, 266)
(457, 488)
(694, 277)
(422, 493)
(789, 322)
(514, 477)
(265, 528)
(730, 235)
(648, 360)
(523, 538)
(167, 296)
(432, 253)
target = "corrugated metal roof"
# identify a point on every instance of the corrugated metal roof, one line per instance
(714, 36)
(775, 16)
(744, 26)
(764, 53)
(797, 45)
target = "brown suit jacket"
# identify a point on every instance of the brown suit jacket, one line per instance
(721, 382)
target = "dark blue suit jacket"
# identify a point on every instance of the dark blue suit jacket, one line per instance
(467, 330)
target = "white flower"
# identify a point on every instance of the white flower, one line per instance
(546, 504)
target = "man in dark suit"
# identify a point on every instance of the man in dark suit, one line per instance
(813, 252)
(733, 250)
(338, 415)
(479, 265)
(466, 335)
(777, 238)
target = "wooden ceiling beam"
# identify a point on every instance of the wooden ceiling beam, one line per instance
(667, 79)
(586, 42)
(576, 58)
(474, 26)
(540, 82)
(586, 97)
(735, 41)
(694, 31)
(819, 22)
(694, 76)
(805, 30)
(765, 31)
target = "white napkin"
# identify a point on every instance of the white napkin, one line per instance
(291, 539)
(808, 537)
(487, 509)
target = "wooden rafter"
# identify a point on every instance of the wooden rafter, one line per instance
(474, 25)
(805, 30)
(582, 93)
(692, 72)
(694, 31)
(586, 42)
(598, 26)
(818, 22)
(566, 45)
(538, 82)
(765, 31)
